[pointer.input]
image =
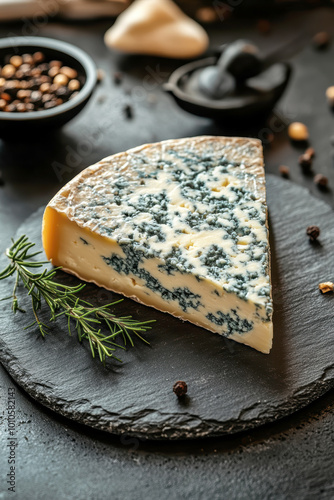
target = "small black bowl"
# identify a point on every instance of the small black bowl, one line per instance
(20, 125)
(252, 102)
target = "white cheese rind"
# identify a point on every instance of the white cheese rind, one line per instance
(180, 226)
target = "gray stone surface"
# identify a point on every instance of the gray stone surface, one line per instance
(231, 387)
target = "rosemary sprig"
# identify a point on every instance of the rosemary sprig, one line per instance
(63, 300)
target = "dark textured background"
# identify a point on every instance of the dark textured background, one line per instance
(59, 459)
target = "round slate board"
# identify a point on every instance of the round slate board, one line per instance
(231, 387)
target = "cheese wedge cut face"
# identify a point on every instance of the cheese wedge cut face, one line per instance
(179, 225)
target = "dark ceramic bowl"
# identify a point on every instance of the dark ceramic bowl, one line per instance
(251, 102)
(22, 124)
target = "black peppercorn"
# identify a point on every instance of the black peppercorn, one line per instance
(128, 111)
(321, 181)
(118, 77)
(313, 232)
(321, 40)
(180, 388)
(284, 171)
(305, 161)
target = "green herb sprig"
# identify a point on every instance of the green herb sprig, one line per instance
(63, 300)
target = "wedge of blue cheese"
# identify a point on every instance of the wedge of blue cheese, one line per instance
(179, 225)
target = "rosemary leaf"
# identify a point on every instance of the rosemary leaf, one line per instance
(63, 300)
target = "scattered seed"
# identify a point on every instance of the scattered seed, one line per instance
(310, 152)
(305, 161)
(118, 77)
(321, 40)
(128, 111)
(321, 181)
(297, 131)
(284, 171)
(330, 96)
(100, 75)
(326, 287)
(206, 15)
(180, 388)
(264, 26)
(313, 232)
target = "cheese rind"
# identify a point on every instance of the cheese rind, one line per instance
(180, 226)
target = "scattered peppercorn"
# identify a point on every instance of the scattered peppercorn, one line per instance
(128, 111)
(305, 161)
(297, 131)
(321, 40)
(330, 96)
(326, 287)
(284, 171)
(206, 15)
(100, 75)
(321, 181)
(118, 78)
(310, 152)
(263, 26)
(29, 83)
(180, 388)
(313, 232)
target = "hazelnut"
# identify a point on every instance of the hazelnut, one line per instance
(297, 131)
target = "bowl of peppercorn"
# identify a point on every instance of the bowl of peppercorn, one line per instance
(44, 83)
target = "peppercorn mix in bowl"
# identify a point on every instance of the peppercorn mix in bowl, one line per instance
(44, 83)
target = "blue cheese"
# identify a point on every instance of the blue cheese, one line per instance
(179, 225)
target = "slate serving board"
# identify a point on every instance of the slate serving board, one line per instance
(231, 387)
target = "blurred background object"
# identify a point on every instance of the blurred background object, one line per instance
(205, 11)
(70, 9)
(158, 28)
